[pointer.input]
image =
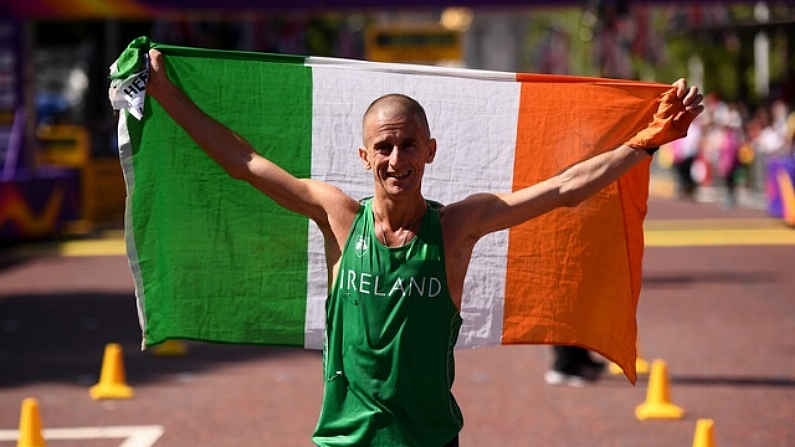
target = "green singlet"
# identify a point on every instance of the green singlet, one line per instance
(390, 332)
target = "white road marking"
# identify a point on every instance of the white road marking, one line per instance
(133, 435)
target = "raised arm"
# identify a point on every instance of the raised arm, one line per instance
(486, 213)
(316, 200)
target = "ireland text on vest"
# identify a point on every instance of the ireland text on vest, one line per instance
(376, 285)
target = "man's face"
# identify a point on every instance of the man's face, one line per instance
(397, 147)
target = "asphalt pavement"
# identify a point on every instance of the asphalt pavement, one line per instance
(717, 306)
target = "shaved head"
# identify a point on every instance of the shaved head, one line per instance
(401, 105)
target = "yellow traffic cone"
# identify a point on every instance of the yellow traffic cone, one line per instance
(112, 383)
(658, 405)
(170, 348)
(704, 436)
(30, 425)
(641, 366)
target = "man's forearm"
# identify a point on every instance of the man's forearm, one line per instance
(223, 145)
(594, 174)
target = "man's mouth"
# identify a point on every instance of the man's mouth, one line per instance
(400, 176)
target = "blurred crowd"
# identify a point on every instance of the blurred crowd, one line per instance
(729, 146)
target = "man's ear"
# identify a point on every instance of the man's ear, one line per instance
(365, 156)
(431, 151)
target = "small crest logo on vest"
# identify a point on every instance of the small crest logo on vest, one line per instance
(361, 245)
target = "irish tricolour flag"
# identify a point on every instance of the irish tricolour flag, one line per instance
(214, 259)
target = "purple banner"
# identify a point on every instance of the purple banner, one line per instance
(11, 98)
(34, 208)
(780, 188)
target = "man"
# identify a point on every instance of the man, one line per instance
(396, 261)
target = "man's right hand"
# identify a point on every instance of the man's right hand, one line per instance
(157, 74)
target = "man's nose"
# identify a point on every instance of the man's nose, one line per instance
(395, 155)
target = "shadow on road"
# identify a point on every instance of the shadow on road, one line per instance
(774, 382)
(674, 279)
(11, 260)
(62, 337)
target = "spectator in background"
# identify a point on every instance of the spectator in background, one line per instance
(779, 111)
(770, 138)
(573, 366)
(729, 124)
(685, 151)
(789, 143)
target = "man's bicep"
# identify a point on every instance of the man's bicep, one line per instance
(328, 203)
(476, 215)
(490, 212)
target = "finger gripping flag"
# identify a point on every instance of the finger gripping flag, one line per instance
(669, 123)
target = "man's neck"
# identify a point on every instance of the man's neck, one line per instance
(397, 223)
